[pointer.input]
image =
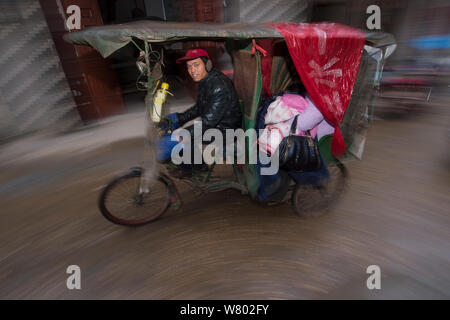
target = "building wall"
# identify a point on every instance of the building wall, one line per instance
(238, 10)
(273, 10)
(34, 93)
(231, 10)
(155, 8)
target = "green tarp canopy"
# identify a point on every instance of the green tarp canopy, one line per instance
(109, 38)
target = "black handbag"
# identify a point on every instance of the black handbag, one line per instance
(298, 153)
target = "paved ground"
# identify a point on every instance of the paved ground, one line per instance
(395, 214)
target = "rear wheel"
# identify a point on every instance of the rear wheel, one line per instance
(313, 201)
(122, 203)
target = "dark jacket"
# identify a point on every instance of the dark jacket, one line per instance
(217, 104)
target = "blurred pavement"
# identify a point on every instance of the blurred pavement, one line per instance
(395, 214)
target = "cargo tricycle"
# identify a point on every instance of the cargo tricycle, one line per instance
(339, 66)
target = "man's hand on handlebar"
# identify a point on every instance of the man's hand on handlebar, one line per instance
(163, 124)
(169, 123)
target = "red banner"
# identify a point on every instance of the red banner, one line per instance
(327, 58)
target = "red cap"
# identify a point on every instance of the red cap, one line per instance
(192, 54)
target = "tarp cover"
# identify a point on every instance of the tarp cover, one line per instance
(109, 38)
(327, 58)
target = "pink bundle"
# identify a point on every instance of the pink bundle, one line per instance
(278, 120)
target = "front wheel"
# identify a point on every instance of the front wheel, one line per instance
(121, 201)
(312, 201)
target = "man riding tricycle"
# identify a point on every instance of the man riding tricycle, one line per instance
(298, 105)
